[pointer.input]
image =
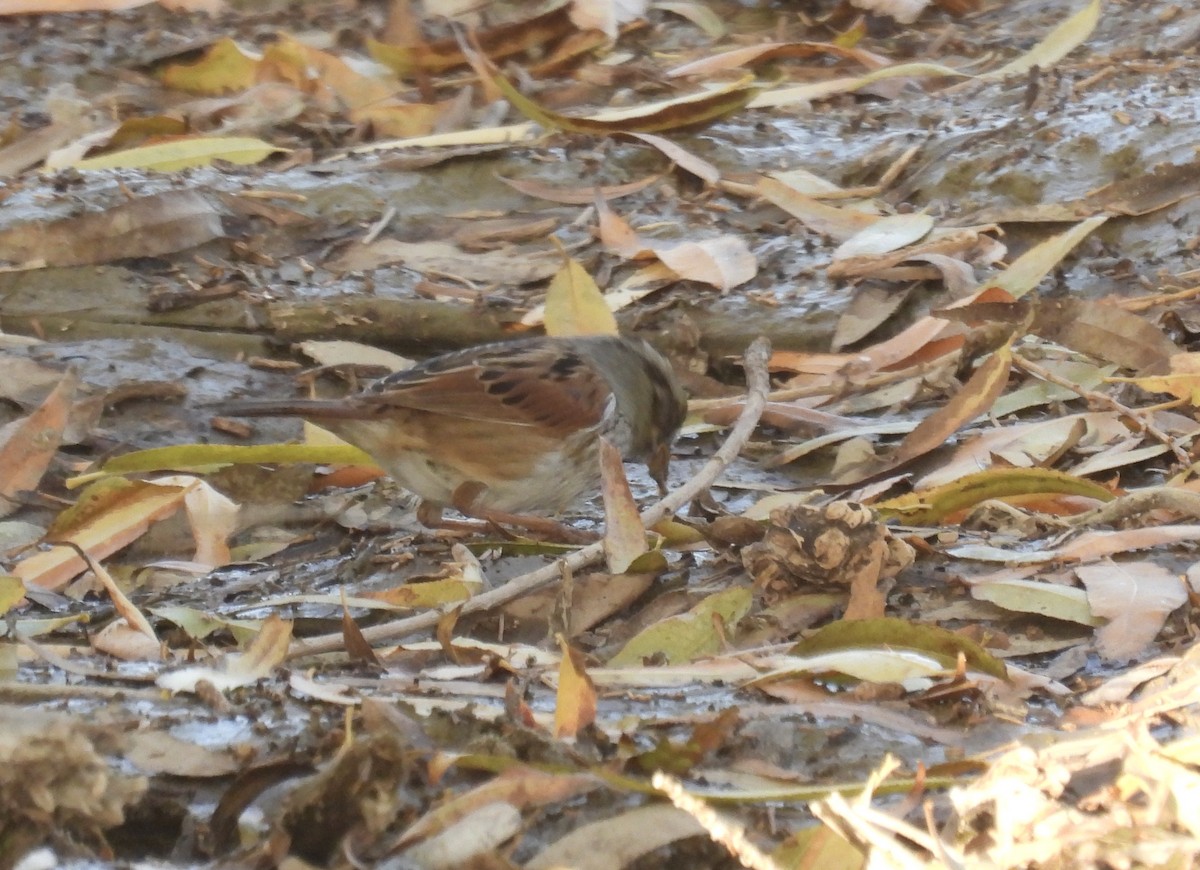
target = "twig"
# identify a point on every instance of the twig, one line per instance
(1137, 418)
(720, 830)
(755, 362)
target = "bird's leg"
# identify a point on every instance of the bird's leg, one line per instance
(465, 500)
(429, 514)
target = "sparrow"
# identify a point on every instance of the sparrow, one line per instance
(508, 429)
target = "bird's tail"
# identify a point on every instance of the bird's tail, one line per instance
(311, 409)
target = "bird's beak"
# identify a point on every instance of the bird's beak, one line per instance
(658, 464)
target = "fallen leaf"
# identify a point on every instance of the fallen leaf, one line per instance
(1067, 603)
(107, 518)
(691, 110)
(149, 226)
(224, 67)
(975, 398)
(620, 840)
(185, 153)
(1056, 45)
(885, 235)
(624, 536)
(1136, 598)
(1027, 271)
(889, 632)
(840, 224)
(575, 305)
(688, 636)
(263, 655)
(927, 507)
(575, 699)
(27, 446)
(1105, 332)
(499, 42)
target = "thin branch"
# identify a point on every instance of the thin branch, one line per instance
(755, 362)
(1139, 419)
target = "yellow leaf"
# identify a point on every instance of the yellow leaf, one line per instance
(575, 702)
(1025, 272)
(1057, 44)
(12, 590)
(211, 457)
(575, 305)
(930, 506)
(689, 636)
(224, 68)
(1183, 381)
(184, 154)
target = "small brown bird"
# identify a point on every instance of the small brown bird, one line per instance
(509, 428)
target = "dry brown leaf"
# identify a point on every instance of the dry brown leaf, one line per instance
(681, 157)
(121, 640)
(975, 398)
(839, 224)
(121, 513)
(27, 446)
(869, 308)
(724, 261)
(1105, 332)
(624, 535)
(522, 787)
(149, 226)
(212, 518)
(575, 700)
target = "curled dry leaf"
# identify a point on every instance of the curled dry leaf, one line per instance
(264, 653)
(724, 262)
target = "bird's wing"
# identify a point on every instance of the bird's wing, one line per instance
(538, 383)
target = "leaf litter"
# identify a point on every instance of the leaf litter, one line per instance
(1001, 554)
